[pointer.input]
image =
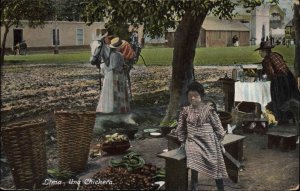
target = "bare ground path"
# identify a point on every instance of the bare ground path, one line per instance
(35, 91)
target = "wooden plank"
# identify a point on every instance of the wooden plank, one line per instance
(254, 119)
(173, 154)
(231, 138)
(282, 134)
(176, 175)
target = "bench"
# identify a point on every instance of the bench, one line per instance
(176, 169)
(288, 140)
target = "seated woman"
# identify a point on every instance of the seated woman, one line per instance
(200, 129)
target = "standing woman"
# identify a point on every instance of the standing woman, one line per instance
(200, 129)
(283, 82)
(114, 95)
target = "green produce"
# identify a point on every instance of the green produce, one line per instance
(131, 161)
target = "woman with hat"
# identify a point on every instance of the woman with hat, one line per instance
(114, 95)
(283, 82)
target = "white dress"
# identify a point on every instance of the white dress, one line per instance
(114, 95)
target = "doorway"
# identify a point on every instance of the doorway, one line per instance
(18, 36)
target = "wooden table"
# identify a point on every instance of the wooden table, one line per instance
(177, 172)
(258, 92)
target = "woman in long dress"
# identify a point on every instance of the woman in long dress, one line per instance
(200, 130)
(283, 82)
(114, 95)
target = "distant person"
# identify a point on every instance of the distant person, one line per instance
(23, 48)
(288, 42)
(271, 39)
(200, 131)
(283, 82)
(235, 40)
(16, 49)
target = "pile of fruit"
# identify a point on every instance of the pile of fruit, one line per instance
(120, 179)
(115, 138)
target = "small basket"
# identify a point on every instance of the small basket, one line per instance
(74, 135)
(24, 146)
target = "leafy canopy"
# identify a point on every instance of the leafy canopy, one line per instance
(35, 11)
(158, 15)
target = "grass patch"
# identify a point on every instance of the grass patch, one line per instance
(62, 57)
(163, 56)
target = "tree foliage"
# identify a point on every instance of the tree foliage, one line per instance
(69, 10)
(158, 15)
(35, 11)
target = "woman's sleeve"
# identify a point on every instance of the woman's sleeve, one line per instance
(181, 126)
(217, 125)
(267, 67)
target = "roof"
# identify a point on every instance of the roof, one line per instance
(215, 24)
(290, 23)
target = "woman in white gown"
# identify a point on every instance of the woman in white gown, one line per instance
(114, 95)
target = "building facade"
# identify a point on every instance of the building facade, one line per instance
(217, 33)
(68, 34)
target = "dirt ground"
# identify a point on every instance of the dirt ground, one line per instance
(35, 91)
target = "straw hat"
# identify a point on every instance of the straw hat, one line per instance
(116, 42)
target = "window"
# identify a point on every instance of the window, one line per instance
(79, 36)
(98, 32)
(54, 35)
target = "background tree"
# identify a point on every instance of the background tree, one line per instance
(14, 11)
(157, 16)
(70, 10)
(296, 20)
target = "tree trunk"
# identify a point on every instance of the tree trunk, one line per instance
(6, 29)
(297, 38)
(185, 41)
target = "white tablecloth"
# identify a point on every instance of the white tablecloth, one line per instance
(258, 92)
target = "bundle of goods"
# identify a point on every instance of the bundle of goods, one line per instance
(115, 143)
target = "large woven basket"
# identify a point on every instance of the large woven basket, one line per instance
(238, 116)
(24, 146)
(74, 134)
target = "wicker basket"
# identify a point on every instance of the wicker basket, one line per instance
(74, 135)
(24, 146)
(238, 116)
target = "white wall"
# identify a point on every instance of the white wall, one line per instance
(259, 18)
(42, 37)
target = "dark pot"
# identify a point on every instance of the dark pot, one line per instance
(115, 148)
(130, 132)
(166, 130)
(225, 117)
